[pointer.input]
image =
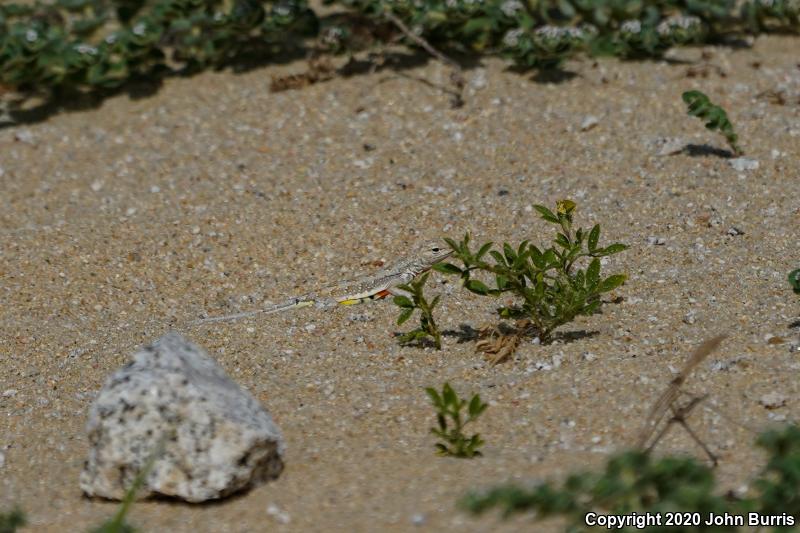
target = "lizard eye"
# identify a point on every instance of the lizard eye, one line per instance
(435, 249)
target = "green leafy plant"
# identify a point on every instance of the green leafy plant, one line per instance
(551, 285)
(634, 482)
(10, 521)
(101, 44)
(451, 422)
(794, 280)
(715, 117)
(427, 325)
(54, 47)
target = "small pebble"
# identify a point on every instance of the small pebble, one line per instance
(670, 146)
(589, 122)
(96, 185)
(478, 80)
(773, 400)
(656, 241)
(743, 163)
(282, 517)
(690, 318)
(734, 231)
(24, 136)
(418, 519)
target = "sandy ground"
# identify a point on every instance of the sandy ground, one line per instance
(215, 196)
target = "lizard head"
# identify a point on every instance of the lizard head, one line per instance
(431, 252)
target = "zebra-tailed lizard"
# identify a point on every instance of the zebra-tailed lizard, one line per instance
(370, 287)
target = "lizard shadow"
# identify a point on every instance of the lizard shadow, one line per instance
(704, 150)
(466, 333)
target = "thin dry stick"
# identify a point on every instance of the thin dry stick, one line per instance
(666, 401)
(456, 76)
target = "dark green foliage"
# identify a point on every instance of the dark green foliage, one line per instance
(794, 280)
(10, 521)
(54, 45)
(551, 286)
(779, 484)
(715, 117)
(634, 482)
(448, 411)
(427, 327)
(95, 44)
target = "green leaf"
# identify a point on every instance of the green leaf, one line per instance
(477, 286)
(509, 253)
(403, 301)
(594, 237)
(476, 407)
(449, 395)
(485, 248)
(435, 302)
(501, 281)
(794, 280)
(404, 315)
(434, 395)
(612, 282)
(546, 213)
(593, 272)
(537, 257)
(562, 241)
(501, 260)
(453, 244)
(447, 268)
(612, 249)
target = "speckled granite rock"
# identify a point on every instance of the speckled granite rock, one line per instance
(217, 438)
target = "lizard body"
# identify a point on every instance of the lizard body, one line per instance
(369, 287)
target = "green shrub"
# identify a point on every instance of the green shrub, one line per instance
(551, 285)
(634, 482)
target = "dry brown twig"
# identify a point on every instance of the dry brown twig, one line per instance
(667, 402)
(319, 69)
(456, 75)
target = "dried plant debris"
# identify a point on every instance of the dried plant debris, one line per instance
(500, 342)
(319, 70)
(668, 402)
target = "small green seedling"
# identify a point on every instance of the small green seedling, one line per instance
(716, 118)
(427, 325)
(552, 286)
(448, 407)
(794, 280)
(10, 521)
(119, 524)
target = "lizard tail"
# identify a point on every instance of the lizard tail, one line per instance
(226, 318)
(293, 303)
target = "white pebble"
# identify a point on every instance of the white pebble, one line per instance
(589, 122)
(743, 163)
